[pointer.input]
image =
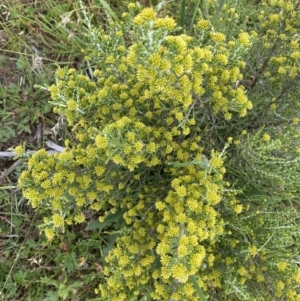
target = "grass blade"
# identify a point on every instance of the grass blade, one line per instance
(205, 9)
(194, 16)
(109, 10)
(217, 13)
(182, 14)
(198, 288)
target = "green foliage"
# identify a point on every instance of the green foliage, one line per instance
(186, 149)
(272, 161)
(34, 41)
(68, 269)
(16, 114)
(36, 38)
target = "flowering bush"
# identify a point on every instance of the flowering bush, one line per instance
(160, 136)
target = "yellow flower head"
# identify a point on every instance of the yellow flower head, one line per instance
(217, 37)
(49, 233)
(238, 209)
(19, 150)
(266, 137)
(131, 6)
(282, 266)
(166, 23)
(58, 220)
(203, 24)
(147, 14)
(79, 218)
(216, 161)
(244, 38)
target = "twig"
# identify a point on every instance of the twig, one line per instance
(50, 144)
(7, 154)
(54, 146)
(54, 149)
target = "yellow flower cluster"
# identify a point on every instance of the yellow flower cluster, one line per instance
(19, 150)
(49, 233)
(136, 118)
(140, 124)
(186, 223)
(148, 14)
(284, 62)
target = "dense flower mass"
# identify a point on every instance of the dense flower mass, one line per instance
(150, 141)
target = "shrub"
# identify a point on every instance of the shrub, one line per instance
(151, 143)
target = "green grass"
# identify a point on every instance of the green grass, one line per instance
(37, 37)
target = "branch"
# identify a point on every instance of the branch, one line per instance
(54, 148)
